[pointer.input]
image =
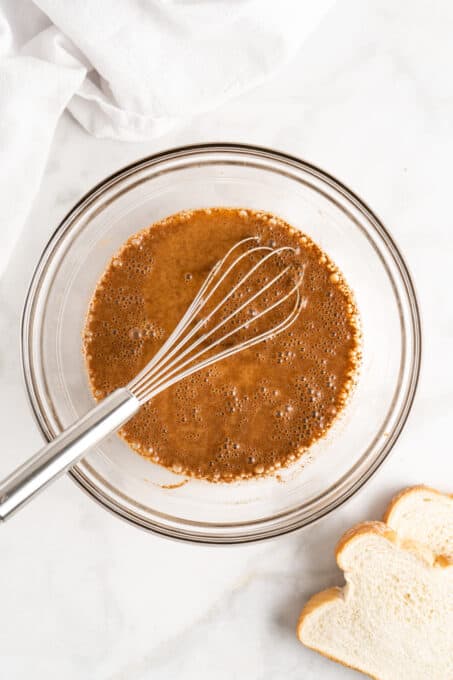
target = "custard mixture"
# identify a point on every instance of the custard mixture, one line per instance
(247, 415)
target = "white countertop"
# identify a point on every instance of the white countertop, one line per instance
(369, 98)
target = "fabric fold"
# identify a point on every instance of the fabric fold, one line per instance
(129, 70)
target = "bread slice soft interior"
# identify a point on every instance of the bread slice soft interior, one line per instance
(424, 515)
(394, 618)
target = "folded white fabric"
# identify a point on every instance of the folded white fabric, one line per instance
(128, 69)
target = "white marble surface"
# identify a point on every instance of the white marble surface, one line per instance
(83, 595)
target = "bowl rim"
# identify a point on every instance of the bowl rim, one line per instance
(65, 225)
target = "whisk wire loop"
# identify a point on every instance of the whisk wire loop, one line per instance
(204, 321)
(176, 359)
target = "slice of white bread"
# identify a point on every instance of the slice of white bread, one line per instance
(394, 618)
(424, 515)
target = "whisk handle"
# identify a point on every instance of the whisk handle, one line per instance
(65, 450)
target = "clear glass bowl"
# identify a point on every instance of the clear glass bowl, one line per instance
(225, 175)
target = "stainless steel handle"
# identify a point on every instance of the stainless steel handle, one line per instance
(65, 450)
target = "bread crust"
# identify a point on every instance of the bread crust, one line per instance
(324, 597)
(315, 602)
(337, 593)
(371, 527)
(391, 507)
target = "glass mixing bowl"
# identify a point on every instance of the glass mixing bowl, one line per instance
(225, 175)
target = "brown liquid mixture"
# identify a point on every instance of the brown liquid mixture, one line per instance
(251, 413)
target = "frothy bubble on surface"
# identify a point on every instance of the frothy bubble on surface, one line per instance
(248, 415)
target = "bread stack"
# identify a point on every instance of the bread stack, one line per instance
(393, 620)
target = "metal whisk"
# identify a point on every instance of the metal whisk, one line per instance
(195, 343)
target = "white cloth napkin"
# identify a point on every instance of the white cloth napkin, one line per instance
(126, 69)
